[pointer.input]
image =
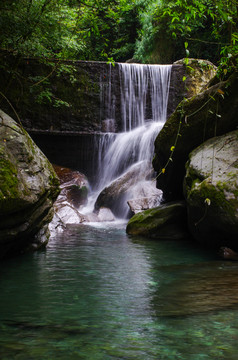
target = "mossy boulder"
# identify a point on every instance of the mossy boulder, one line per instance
(167, 221)
(211, 190)
(212, 112)
(28, 188)
(198, 74)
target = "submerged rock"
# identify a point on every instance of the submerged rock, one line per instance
(202, 288)
(211, 190)
(168, 221)
(28, 189)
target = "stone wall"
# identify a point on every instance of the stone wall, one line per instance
(70, 95)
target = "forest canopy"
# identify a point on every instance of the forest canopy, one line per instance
(118, 30)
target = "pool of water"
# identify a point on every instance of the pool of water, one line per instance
(97, 294)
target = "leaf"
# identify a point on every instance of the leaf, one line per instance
(220, 91)
(163, 170)
(207, 201)
(172, 148)
(184, 78)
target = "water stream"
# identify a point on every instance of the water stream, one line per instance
(96, 294)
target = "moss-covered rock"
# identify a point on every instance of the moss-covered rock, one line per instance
(167, 221)
(212, 112)
(28, 188)
(211, 190)
(198, 74)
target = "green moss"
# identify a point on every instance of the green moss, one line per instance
(8, 180)
(215, 194)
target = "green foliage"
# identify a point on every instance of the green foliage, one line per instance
(118, 30)
(71, 29)
(207, 27)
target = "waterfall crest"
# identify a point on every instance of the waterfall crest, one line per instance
(144, 93)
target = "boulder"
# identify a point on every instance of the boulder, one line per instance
(73, 194)
(74, 185)
(168, 221)
(116, 194)
(145, 196)
(28, 189)
(103, 214)
(65, 214)
(211, 190)
(214, 111)
(198, 74)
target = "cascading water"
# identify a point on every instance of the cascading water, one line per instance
(144, 91)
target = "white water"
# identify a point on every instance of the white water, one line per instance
(144, 91)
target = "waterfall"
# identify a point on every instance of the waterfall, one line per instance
(144, 91)
(143, 88)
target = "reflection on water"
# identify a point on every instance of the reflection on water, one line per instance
(96, 294)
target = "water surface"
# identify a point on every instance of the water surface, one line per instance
(97, 294)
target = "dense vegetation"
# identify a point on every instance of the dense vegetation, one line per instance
(148, 30)
(90, 29)
(202, 28)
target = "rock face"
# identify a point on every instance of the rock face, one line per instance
(214, 111)
(163, 222)
(28, 188)
(211, 190)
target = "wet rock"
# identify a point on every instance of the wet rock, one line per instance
(73, 194)
(74, 185)
(28, 189)
(228, 254)
(145, 196)
(115, 195)
(211, 190)
(105, 214)
(168, 221)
